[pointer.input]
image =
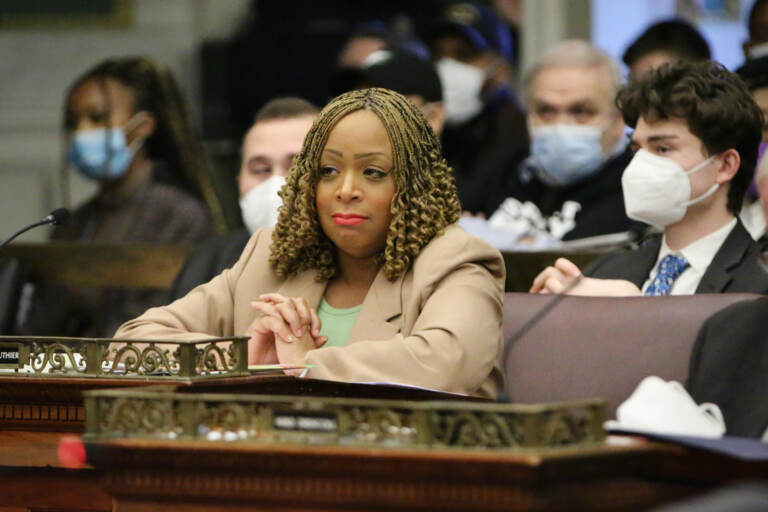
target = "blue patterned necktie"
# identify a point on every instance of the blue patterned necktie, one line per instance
(670, 268)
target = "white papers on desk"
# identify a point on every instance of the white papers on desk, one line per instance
(531, 241)
(508, 239)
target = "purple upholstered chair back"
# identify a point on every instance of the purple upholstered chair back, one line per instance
(601, 347)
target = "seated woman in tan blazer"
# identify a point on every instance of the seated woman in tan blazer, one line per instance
(366, 277)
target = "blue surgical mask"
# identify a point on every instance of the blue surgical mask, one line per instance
(564, 154)
(102, 154)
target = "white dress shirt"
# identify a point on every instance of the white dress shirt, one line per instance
(699, 254)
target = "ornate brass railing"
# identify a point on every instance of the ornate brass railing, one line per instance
(106, 357)
(160, 413)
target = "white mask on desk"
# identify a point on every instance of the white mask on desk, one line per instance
(661, 407)
(657, 190)
(259, 206)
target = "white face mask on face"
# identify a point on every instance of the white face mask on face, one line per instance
(657, 190)
(260, 204)
(462, 84)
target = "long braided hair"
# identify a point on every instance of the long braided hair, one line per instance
(173, 142)
(425, 201)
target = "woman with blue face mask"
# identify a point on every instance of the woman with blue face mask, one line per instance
(126, 128)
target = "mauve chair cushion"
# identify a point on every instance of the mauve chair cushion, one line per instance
(601, 347)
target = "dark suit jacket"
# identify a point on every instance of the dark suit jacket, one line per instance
(729, 366)
(210, 258)
(735, 267)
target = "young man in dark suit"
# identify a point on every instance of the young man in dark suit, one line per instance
(696, 135)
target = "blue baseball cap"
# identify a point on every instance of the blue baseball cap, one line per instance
(480, 25)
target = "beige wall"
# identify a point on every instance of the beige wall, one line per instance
(547, 22)
(36, 66)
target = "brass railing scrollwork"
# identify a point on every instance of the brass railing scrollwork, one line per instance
(159, 413)
(56, 358)
(213, 358)
(153, 359)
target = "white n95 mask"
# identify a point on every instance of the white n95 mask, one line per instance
(462, 85)
(661, 407)
(657, 190)
(260, 204)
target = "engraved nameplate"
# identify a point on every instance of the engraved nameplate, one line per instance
(303, 422)
(11, 356)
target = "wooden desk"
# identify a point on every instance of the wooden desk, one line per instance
(36, 411)
(99, 264)
(31, 477)
(195, 476)
(31, 403)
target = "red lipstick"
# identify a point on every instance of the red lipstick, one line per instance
(347, 219)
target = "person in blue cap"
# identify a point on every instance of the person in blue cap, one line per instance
(485, 131)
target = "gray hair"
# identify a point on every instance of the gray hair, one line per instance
(574, 53)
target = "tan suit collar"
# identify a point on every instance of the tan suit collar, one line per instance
(382, 305)
(304, 285)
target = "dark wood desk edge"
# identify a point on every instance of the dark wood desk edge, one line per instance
(188, 473)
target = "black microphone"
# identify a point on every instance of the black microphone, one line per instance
(56, 217)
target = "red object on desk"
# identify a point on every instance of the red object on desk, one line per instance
(71, 452)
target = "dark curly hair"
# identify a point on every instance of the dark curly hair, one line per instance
(675, 36)
(715, 104)
(425, 201)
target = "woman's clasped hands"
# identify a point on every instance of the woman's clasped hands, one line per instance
(287, 329)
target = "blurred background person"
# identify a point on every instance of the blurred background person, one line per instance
(757, 24)
(666, 41)
(570, 186)
(754, 72)
(755, 210)
(413, 77)
(126, 128)
(366, 39)
(269, 147)
(485, 132)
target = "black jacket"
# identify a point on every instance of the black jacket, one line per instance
(484, 152)
(209, 259)
(729, 366)
(735, 267)
(600, 196)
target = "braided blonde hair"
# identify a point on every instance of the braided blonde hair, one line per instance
(425, 201)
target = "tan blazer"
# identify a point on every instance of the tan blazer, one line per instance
(437, 326)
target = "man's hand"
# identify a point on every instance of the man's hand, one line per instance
(556, 278)
(605, 288)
